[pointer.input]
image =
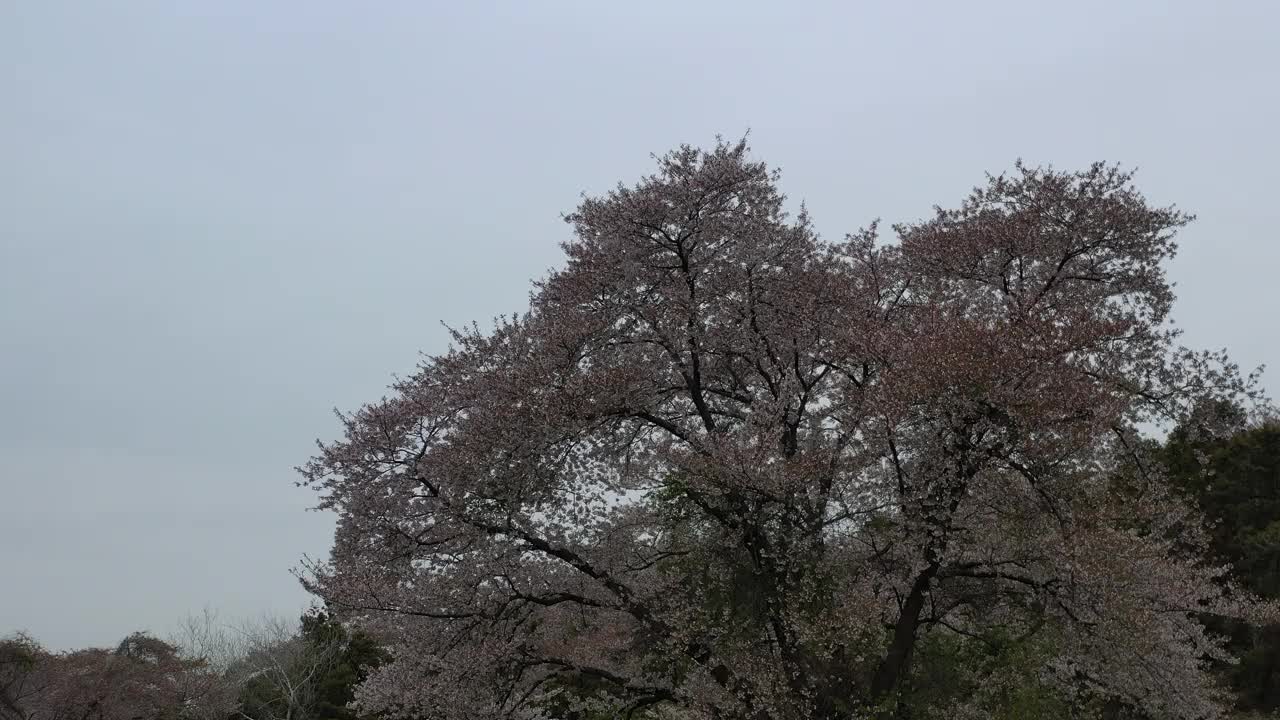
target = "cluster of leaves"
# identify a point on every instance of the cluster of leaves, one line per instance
(723, 468)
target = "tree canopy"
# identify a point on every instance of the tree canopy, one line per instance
(724, 468)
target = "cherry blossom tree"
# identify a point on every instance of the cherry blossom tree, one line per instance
(723, 468)
(144, 678)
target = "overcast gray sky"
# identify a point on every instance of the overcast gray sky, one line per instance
(218, 220)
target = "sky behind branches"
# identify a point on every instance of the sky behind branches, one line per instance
(219, 220)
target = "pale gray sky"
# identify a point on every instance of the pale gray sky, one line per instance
(218, 220)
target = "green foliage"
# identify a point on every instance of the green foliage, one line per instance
(1236, 481)
(358, 654)
(996, 673)
(323, 673)
(259, 699)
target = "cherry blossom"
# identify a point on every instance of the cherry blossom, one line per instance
(723, 468)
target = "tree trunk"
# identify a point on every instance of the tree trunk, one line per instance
(897, 660)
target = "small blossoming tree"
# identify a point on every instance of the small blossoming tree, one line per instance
(144, 678)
